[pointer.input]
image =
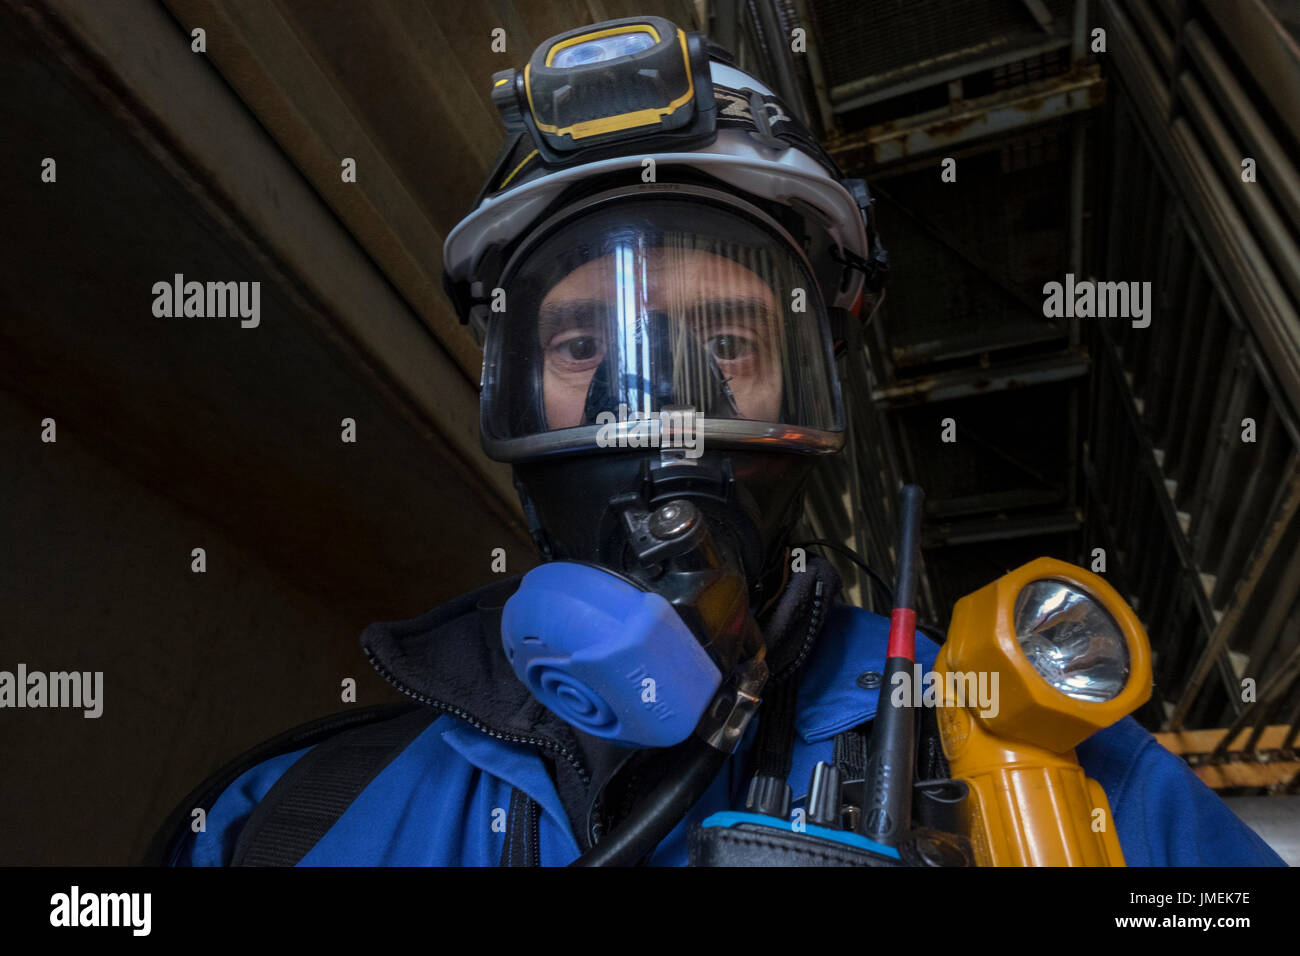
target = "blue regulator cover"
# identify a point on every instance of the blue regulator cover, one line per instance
(607, 657)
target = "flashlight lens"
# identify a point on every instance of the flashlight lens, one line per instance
(1071, 640)
(606, 48)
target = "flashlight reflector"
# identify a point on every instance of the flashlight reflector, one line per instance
(1071, 640)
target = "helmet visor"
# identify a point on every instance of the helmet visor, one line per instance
(637, 310)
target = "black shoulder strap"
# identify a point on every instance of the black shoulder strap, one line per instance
(175, 828)
(793, 626)
(304, 803)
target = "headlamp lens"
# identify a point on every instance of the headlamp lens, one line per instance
(1071, 640)
(605, 48)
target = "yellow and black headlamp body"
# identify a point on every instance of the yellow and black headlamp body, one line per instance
(1030, 801)
(606, 88)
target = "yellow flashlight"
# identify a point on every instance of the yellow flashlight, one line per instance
(1067, 657)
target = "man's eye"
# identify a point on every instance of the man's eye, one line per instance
(729, 348)
(575, 350)
(580, 349)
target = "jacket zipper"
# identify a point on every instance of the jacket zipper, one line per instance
(810, 638)
(477, 724)
(534, 819)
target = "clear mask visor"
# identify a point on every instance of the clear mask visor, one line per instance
(638, 312)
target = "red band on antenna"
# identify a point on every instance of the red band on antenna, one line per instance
(902, 633)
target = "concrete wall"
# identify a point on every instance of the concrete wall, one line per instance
(175, 433)
(196, 667)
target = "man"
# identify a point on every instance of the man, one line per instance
(659, 369)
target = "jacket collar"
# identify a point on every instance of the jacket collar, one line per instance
(448, 659)
(451, 659)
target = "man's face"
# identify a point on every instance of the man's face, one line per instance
(712, 303)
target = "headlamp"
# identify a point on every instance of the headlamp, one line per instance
(595, 91)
